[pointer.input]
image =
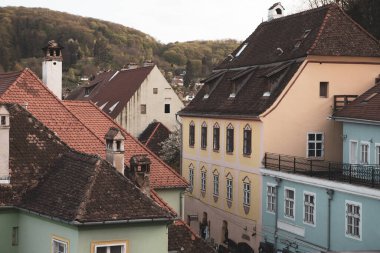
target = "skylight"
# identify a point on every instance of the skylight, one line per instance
(370, 97)
(241, 49)
(114, 106)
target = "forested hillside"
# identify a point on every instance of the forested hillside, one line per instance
(92, 45)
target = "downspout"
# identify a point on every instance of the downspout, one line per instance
(278, 182)
(330, 194)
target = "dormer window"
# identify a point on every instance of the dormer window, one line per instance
(233, 91)
(118, 145)
(109, 144)
(87, 91)
(3, 120)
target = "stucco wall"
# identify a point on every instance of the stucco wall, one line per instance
(135, 122)
(8, 220)
(172, 197)
(302, 110)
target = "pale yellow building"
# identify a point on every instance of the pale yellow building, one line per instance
(274, 93)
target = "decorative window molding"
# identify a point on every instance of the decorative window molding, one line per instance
(109, 247)
(364, 152)
(191, 134)
(289, 203)
(309, 208)
(216, 137)
(247, 140)
(353, 152)
(216, 183)
(204, 135)
(353, 224)
(315, 145)
(271, 198)
(60, 245)
(203, 179)
(246, 191)
(229, 187)
(191, 176)
(230, 138)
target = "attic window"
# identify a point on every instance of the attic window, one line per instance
(278, 11)
(114, 106)
(306, 33)
(365, 100)
(241, 49)
(118, 145)
(3, 120)
(87, 91)
(109, 144)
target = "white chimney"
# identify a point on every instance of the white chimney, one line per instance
(275, 11)
(4, 147)
(52, 68)
(115, 148)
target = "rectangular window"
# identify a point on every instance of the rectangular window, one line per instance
(216, 138)
(309, 208)
(229, 189)
(191, 177)
(364, 154)
(247, 194)
(59, 246)
(143, 109)
(155, 90)
(204, 137)
(289, 203)
(353, 219)
(110, 248)
(230, 140)
(167, 108)
(377, 154)
(271, 198)
(216, 184)
(353, 152)
(315, 145)
(191, 135)
(247, 142)
(203, 181)
(14, 236)
(323, 89)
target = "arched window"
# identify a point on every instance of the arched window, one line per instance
(246, 191)
(204, 135)
(229, 186)
(247, 140)
(230, 139)
(191, 134)
(203, 179)
(216, 135)
(216, 182)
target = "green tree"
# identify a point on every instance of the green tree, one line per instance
(189, 76)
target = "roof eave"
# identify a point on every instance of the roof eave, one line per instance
(356, 120)
(219, 115)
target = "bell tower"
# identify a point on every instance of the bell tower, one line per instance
(52, 67)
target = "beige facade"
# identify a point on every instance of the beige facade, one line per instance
(154, 100)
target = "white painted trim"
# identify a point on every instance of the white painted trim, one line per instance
(5, 181)
(323, 145)
(294, 203)
(376, 155)
(356, 151)
(266, 196)
(360, 220)
(315, 208)
(326, 184)
(291, 228)
(362, 143)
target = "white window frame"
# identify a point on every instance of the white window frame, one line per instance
(109, 245)
(229, 187)
(246, 192)
(314, 208)
(272, 195)
(377, 153)
(62, 241)
(216, 183)
(350, 159)
(360, 237)
(203, 179)
(368, 144)
(315, 141)
(294, 203)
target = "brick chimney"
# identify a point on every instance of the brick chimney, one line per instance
(4, 147)
(52, 67)
(140, 172)
(115, 148)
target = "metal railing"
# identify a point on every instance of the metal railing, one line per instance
(360, 174)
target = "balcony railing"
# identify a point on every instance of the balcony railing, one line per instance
(341, 101)
(360, 174)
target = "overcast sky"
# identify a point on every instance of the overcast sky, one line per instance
(173, 20)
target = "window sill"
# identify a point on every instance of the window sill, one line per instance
(247, 155)
(230, 153)
(216, 150)
(315, 158)
(191, 146)
(204, 148)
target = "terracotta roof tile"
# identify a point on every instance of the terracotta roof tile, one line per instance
(153, 135)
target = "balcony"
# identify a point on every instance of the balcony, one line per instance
(359, 174)
(341, 101)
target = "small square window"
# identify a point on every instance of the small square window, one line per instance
(155, 90)
(59, 246)
(143, 109)
(323, 89)
(167, 108)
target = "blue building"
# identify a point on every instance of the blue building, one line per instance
(319, 206)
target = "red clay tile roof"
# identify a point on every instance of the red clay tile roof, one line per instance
(50, 178)
(364, 107)
(153, 135)
(113, 89)
(183, 239)
(332, 33)
(162, 176)
(83, 129)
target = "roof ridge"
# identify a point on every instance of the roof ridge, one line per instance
(22, 72)
(321, 28)
(139, 143)
(153, 132)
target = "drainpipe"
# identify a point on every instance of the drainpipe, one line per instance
(180, 140)
(278, 182)
(330, 194)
